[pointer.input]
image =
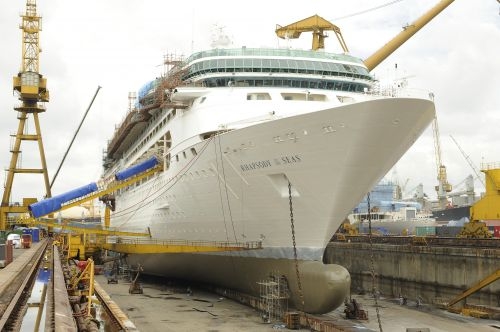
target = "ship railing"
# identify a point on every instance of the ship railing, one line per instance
(400, 91)
(174, 242)
(270, 52)
(490, 165)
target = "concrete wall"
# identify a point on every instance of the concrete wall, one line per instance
(433, 273)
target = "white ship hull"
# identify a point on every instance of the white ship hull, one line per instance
(235, 187)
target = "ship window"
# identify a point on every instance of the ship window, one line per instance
(202, 99)
(294, 96)
(193, 151)
(176, 157)
(317, 97)
(207, 135)
(243, 83)
(258, 96)
(247, 63)
(168, 140)
(345, 99)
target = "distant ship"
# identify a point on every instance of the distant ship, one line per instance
(253, 139)
(402, 222)
(389, 216)
(458, 210)
(456, 213)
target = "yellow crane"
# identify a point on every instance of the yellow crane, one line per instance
(31, 87)
(467, 158)
(488, 207)
(317, 25)
(473, 289)
(443, 186)
(408, 31)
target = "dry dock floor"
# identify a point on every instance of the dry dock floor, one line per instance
(395, 317)
(164, 308)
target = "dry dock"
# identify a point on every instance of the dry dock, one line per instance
(434, 269)
(173, 308)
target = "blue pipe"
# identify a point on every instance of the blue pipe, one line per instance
(52, 204)
(139, 168)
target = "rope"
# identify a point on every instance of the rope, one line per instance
(368, 10)
(372, 262)
(170, 183)
(217, 155)
(220, 190)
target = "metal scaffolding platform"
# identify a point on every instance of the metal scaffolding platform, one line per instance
(155, 246)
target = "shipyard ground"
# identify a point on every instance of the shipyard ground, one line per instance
(174, 308)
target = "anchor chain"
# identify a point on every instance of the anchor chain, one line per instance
(299, 284)
(372, 261)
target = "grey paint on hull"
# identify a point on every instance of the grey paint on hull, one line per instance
(325, 286)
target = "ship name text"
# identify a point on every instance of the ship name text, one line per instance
(269, 163)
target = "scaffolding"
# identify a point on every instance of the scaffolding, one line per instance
(274, 295)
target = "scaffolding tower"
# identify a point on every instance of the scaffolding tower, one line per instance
(274, 295)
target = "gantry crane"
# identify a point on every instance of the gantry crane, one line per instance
(443, 186)
(31, 88)
(317, 25)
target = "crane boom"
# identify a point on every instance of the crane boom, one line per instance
(408, 31)
(467, 158)
(317, 25)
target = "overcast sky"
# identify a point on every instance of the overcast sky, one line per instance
(119, 45)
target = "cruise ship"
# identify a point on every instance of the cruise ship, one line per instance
(274, 145)
(253, 140)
